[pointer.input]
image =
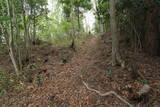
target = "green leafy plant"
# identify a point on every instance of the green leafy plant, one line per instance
(144, 81)
(32, 66)
(2, 92)
(109, 73)
(38, 79)
(10, 105)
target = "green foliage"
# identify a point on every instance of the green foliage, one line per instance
(144, 81)
(55, 32)
(102, 15)
(18, 24)
(76, 7)
(33, 66)
(4, 18)
(71, 5)
(10, 105)
(2, 92)
(130, 15)
(109, 73)
(38, 79)
(58, 30)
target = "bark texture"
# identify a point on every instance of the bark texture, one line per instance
(116, 57)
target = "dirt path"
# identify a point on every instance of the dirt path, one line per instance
(61, 70)
(62, 85)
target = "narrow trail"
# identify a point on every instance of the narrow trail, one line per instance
(63, 86)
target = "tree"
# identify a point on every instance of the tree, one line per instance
(101, 14)
(72, 8)
(116, 58)
(77, 7)
(15, 24)
(139, 36)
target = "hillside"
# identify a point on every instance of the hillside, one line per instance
(61, 73)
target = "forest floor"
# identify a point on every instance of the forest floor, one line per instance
(62, 72)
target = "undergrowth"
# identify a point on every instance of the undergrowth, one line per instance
(5, 82)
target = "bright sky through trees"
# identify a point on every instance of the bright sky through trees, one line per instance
(51, 4)
(89, 18)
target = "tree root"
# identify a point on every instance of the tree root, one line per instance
(108, 93)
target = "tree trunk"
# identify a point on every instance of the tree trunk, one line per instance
(152, 35)
(26, 34)
(34, 26)
(10, 41)
(116, 58)
(78, 16)
(73, 35)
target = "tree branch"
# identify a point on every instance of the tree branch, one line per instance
(107, 93)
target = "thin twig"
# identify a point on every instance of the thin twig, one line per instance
(97, 105)
(107, 93)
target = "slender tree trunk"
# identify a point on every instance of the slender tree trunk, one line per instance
(34, 26)
(10, 43)
(98, 16)
(26, 34)
(116, 58)
(73, 38)
(78, 17)
(17, 38)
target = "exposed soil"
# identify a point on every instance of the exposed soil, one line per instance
(61, 70)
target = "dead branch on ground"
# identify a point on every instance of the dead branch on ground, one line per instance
(108, 93)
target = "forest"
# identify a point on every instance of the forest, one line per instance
(79, 53)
